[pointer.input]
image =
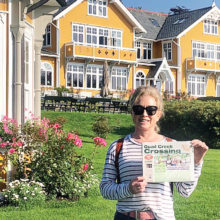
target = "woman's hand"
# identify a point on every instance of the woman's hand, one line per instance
(200, 149)
(137, 185)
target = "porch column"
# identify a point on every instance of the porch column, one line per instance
(37, 78)
(18, 34)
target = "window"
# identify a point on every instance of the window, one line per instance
(119, 79)
(75, 76)
(91, 35)
(47, 36)
(196, 85)
(138, 47)
(211, 27)
(97, 36)
(154, 22)
(218, 52)
(78, 33)
(199, 50)
(218, 87)
(167, 49)
(97, 8)
(206, 50)
(169, 87)
(180, 21)
(147, 51)
(94, 77)
(103, 36)
(116, 38)
(140, 79)
(46, 74)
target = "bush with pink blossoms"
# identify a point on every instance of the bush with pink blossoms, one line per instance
(46, 153)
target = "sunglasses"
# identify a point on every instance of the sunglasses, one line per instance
(139, 110)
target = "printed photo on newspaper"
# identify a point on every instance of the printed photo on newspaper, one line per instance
(168, 161)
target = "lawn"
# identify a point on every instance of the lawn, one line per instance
(203, 204)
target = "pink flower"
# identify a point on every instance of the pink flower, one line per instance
(56, 126)
(11, 151)
(78, 142)
(86, 166)
(4, 144)
(100, 141)
(6, 129)
(70, 137)
(62, 146)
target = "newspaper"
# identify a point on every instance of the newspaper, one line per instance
(168, 161)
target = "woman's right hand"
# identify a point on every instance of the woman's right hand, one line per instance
(138, 185)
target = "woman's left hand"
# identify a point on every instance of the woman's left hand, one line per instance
(200, 149)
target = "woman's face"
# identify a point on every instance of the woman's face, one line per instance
(146, 122)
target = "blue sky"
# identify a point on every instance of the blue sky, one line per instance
(165, 5)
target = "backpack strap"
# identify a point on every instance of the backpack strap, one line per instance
(119, 146)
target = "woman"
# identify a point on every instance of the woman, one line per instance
(138, 199)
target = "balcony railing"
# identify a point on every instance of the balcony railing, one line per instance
(200, 64)
(125, 55)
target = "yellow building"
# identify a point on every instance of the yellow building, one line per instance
(89, 40)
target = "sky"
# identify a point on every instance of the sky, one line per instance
(165, 5)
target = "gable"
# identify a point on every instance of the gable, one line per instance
(120, 7)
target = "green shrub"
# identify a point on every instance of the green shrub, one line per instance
(61, 89)
(101, 126)
(186, 120)
(24, 193)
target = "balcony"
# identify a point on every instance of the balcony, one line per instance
(124, 55)
(199, 64)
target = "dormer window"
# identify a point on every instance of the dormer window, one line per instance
(211, 27)
(97, 8)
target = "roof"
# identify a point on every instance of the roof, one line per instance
(151, 21)
(176, 24)
(42, 2)
(154, 69)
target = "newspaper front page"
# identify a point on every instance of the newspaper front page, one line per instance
(168, 161)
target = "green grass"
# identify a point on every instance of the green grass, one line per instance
(203, 204)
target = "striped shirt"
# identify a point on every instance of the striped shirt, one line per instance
(157, 197)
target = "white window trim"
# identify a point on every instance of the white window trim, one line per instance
(201, 76)
(206, 44)
(210, 33)
(139, 71)
(122, 68)
(78, 25)
(76, 64)
(48, 45)
(170, 92)
(97, 15)
(97, 79)
(109, 37)
(151, 49)
(163, 52)
(52, 73)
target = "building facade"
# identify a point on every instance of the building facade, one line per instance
(176, 53)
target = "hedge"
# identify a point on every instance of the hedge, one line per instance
(188, 120)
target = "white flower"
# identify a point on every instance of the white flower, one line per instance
(25, 198)
(24, 180)
(33, 194)
(16, 196)
(6, 196)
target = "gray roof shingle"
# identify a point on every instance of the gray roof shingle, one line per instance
(154, 69)
(151, 21)
(171, 30)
